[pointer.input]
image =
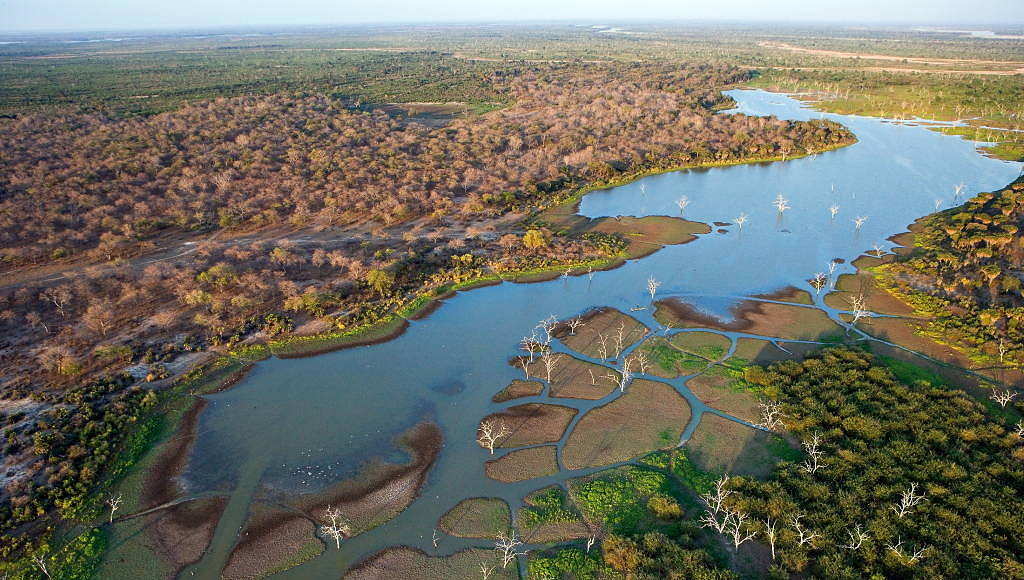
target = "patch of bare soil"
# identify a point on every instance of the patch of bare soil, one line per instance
(788, 294)
(764, 318)
(649, 416)
(273, 539)
(649, 234)
(532, 423)
(518, 389)
(607, 326)
(523, 464)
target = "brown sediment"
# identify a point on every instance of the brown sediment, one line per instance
(518, 389)
(649, 416)
(533, 423)
(787, 294)
(382, 490)
(429, 308)
(160, 484)
(523, 464)
(405, 563)
(181, 533)
(764, 318)
(342, 343)
(232, 379)
(722, 224)
(272, 539)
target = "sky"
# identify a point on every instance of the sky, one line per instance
(28, 15)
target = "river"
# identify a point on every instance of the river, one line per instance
(302, 424)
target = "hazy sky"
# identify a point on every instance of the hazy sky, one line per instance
(119, 14)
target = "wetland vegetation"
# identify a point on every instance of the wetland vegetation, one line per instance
(176, 211)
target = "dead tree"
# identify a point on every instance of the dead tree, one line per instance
(741, 220)
(549, 365)
(642, 362)
(814, 455)
(771, 415)
(770, 532)
(624, 376)
(804, 536)
(1002, 397)
(716, 515)
(908, 499)
(40, 563)
(114, 503)
(435, 538)
(573, 324)
(739, 530)
(818, 282)
(781, 203)
(683, 202)
(1020, 429)
(602, 346)
(858, 222)
(489, 432)
(652, 286)
(834, 210)
(909, 558)
(508, 548)
(486, 570)
(620, 337)
(857, 537)
(335, 528)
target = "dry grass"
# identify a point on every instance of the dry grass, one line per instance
(647, 417)
(523, 464)
(721, 445)
(478, 517)
(573, 378)
(533, 423)
(518, 389)
(607, 322)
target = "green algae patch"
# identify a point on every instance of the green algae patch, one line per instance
(523, 464)
(478, 517)
(648, 416)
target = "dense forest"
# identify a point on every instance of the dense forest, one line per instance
(910, 480)
(966, 269)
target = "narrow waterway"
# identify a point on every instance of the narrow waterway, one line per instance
(302, 424)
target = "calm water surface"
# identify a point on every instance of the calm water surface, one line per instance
(299, 425)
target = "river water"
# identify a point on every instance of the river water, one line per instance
(301, 424)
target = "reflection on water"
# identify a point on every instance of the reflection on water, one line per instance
(305, 422)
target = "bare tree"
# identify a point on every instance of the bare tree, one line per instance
(1002, 397)
(857, 309)
(549, 361)
(814, 455)
(741, 220)
(489, 432)
(573, 324)
(596, 532)
(114, 503)
(40, 563)
(771, 415)
(738, 528)
(957, 190)
(781, 203)
(938, 204)
(857, 537)
(602, 348)
(769, 530)
(435, 538)
(335, 528)
(59, 296)
(858, 222)
(910, 557)
(716, 515)
(652, 286)
(908, 499)
(525, 365)
(642, 362)
(508, 548)
(486, 570)
(624, 376)
(804, 536)
(1020, 429)
(834, 210)
(593, 379)
(878, 249)
(683, 202)
(620, 337)
(818, 282)
(530, 345)
(1003, 349)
